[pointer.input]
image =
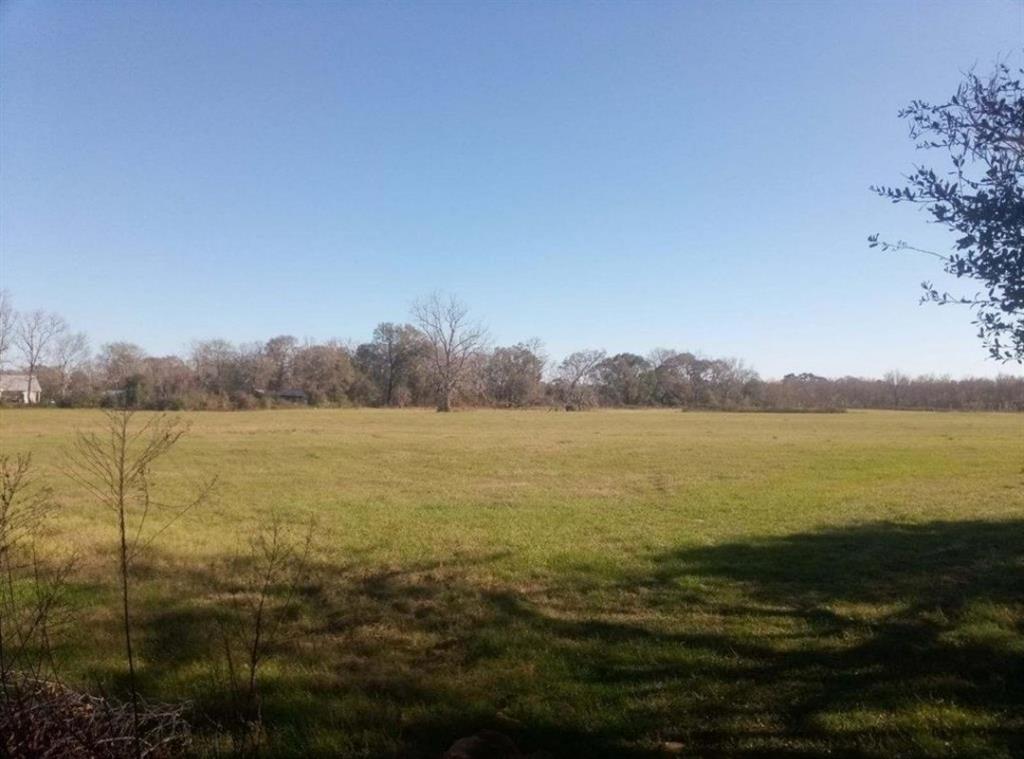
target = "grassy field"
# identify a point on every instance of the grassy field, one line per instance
(595, 584)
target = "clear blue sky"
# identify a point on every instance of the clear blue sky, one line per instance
(620, 175)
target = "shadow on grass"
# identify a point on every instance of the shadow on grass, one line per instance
(876, 640)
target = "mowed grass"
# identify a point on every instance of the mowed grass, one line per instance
(610, 583)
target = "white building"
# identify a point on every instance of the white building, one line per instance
(15, 388)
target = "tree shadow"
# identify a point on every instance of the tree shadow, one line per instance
(878, 639)
(874, 640)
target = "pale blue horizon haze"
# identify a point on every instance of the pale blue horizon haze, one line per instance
(625, 176)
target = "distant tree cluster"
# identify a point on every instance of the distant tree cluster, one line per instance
(442, 360)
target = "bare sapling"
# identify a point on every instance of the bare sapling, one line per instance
(115, 468)
(271, 576)
(33, 582)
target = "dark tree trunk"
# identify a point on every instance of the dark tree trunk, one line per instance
(444, 399)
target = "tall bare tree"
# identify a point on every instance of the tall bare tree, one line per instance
(70, 353)
(8, 323)
(896, 381)
(37, 332)
(216, 364)
(575, 373)
(454, 341)
(118, 362)
(115, 469)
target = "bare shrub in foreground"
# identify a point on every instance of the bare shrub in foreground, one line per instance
(270, 577)
(32, 591)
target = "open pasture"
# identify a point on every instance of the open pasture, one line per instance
(609, 583)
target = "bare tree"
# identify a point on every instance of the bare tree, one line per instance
(896, 381)
(574, 374)
(115, 469)
(37, 331)
(8, 323)
(70, 353)
(454, 340)
(32, 589)
(117, 363)
(216, 364)
(269, 580)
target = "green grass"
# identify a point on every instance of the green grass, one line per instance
(593, 584)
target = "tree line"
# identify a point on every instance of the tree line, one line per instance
(441, 358)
